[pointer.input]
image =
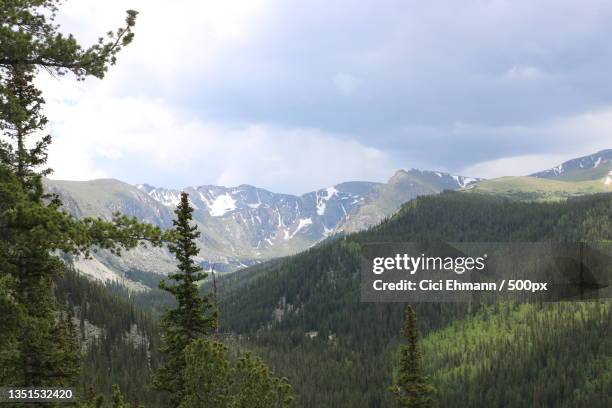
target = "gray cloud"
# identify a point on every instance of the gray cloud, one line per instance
(420, 65)
(442, 84)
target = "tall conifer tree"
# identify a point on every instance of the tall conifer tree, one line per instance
(194, 316)
(32, 227)
(411, 388)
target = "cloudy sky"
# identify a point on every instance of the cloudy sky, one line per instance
(296, 95)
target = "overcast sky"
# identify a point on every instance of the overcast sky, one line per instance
(298, 95)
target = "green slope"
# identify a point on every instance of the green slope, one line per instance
(496, 349)
(538, 189)
(304, 315)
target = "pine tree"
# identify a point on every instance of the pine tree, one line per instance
(194, 316)
(32, 226)
(411, 388)
(30, 42)
(207, 375)
(66, 361)
(213, 379)
(254, 385)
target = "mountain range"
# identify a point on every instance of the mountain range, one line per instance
(242, 225)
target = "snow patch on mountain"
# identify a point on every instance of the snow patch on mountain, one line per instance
(222, 205)
(464, 181)
(558, 169)
(573, 168)
(323, 199)
(302, 223)
(169, 198)
(328, 231)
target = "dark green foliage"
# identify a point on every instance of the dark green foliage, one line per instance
(97, 401)
(28, 270)
(214, 379)
(119, 341)
(20, 117)
(12, 315)
(207, 375)
(66, 359)
(530, 355)
(193, 317)
(41, 347)
(455, 216)
(411, 387)
(349, 362)
(29, 38)
(253, 385)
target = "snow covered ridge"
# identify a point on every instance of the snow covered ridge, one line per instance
(593, 161)
(261, 219)
(448, 180)
(170, 198)
(264, 218)
(219, 201)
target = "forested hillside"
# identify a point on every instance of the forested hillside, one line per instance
(118, 339)
(305, 316)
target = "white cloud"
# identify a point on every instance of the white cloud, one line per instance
(175, 42)
(124, 126)
(569, 137)
(247, 91)
(98, 134)
(513, 166)
(300, 159)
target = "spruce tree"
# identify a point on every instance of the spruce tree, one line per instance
(194, 316)
(411, 388)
